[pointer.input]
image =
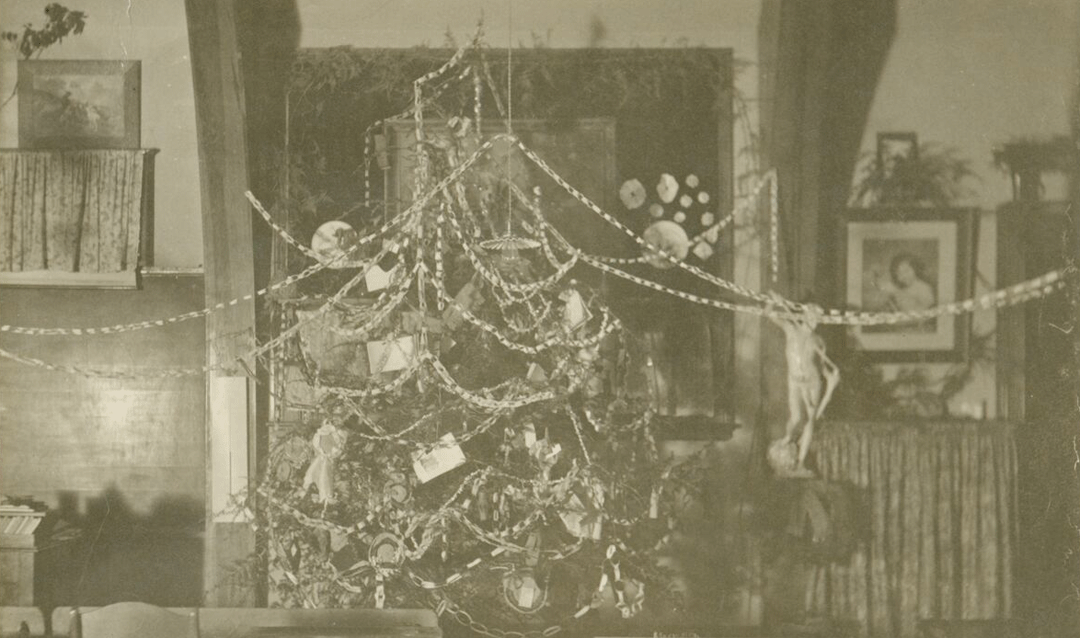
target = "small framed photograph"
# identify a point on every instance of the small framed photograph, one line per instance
(79, 103)
(899, 260)
(893, 148)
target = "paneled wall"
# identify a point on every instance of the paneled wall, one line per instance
(122, 459)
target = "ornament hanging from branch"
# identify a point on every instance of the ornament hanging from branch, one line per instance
(329, 445)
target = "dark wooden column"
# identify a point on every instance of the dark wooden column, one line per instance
(228, 261)
(819, 64)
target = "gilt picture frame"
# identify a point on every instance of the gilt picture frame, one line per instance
(79, 104)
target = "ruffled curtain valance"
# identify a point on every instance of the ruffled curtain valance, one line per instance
(71, 211)
(940, 499)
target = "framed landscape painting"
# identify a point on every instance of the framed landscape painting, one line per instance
(908, 260)
(79, 103)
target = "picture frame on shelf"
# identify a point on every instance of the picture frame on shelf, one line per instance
(896, 147)
(79, 104)
(908, 259)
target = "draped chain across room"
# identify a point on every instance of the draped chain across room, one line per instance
(939, 499)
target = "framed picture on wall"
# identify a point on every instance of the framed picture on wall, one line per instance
(908, 260)
(894, 148)
(79, 103)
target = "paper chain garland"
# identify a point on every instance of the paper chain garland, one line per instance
(510, 297)
(1023, 291)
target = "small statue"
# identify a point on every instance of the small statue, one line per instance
(807, 365)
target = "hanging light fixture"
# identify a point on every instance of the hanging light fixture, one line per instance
(509, 241)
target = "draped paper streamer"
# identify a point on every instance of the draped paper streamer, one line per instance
(329, 445)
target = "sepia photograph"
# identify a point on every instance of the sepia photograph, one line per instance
(903, 264)
(539, 318)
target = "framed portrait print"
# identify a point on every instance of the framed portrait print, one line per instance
(79, 103)
(899, 260)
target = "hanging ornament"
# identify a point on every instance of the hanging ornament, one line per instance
(546, 454)
(446, 456)
(583, 512)
(329, 445)
(536, 374)
(668, 237)
(525, 436)
(667, 188)
(702, 250)
(396, 488)
(632, 194)
(391, 355)
(575, 312)
(332, 242)
(386, 551)
(292, 456)
(712, 235)
(523, 592)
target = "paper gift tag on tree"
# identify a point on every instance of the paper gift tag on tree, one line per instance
(391, 355)
(446, 456)
(378, 278)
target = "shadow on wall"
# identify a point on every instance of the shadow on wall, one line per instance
(117, 554)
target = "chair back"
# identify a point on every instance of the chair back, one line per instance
(133, 620)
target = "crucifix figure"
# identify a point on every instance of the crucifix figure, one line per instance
(808, 366)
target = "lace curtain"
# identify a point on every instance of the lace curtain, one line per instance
(939, 499)
(71, 211)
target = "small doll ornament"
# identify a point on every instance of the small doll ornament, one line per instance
(329, 445)
(808, 367)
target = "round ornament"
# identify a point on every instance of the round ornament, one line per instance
(386, 551)
(668, 237)
(522, 591)
(396, 488)
(331, 243)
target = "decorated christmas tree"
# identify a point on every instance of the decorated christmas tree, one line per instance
(481, 436)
